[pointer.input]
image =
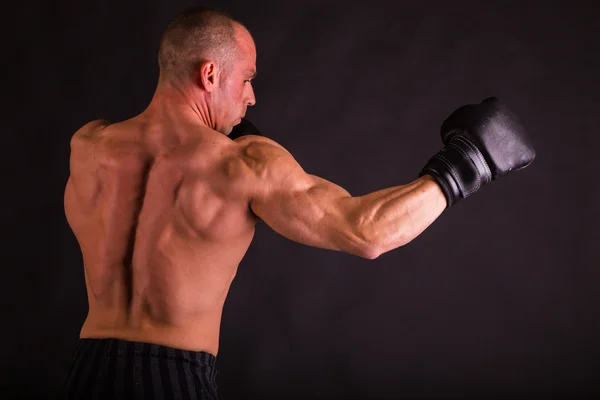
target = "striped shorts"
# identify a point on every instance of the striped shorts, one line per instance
(119, 369)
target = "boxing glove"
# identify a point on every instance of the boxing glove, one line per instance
(245, 127)
(483, 142)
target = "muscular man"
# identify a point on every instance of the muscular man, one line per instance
(164, 207)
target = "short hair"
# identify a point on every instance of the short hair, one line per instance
(197, 35)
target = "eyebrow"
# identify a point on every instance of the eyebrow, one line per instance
(252, 74)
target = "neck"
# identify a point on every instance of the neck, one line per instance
(183, 102)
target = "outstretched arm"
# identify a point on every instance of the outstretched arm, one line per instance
(311, 210)
(482, 142)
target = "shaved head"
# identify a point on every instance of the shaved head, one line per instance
(197, 35)
(210, 59)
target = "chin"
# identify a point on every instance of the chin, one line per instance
(228, 130)
(235, 123)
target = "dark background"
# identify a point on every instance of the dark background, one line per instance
(497, 299)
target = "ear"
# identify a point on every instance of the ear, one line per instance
(206, 76)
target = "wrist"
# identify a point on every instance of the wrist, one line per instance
(437, 187)
(459, 168)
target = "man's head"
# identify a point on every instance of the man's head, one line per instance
(207, 49)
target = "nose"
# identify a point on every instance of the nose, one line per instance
(251, 99)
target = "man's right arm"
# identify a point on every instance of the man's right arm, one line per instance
(311, 210)
(482, 143)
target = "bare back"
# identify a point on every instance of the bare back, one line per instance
(162, 222)
(164, 218)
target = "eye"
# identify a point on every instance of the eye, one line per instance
(248, 80)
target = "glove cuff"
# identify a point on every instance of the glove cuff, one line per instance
(459, 168)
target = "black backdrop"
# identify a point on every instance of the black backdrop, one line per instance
(497, 299)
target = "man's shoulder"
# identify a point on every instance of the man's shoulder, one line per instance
(89, 131)
(265, 160)
(260, 148)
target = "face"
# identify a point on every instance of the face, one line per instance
(235, 87)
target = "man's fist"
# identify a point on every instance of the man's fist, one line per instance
(482, 143)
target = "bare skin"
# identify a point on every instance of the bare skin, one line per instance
(164, 208)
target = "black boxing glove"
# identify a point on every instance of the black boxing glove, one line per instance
(483, 142)
(245, 127)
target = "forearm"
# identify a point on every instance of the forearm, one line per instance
(392, 217)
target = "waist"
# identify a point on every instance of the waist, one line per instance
(200, 335)
(115, 347)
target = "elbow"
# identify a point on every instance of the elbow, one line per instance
(373, 246)
(366, 248)
(371, 237)
(370, 253)
(359, 247)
